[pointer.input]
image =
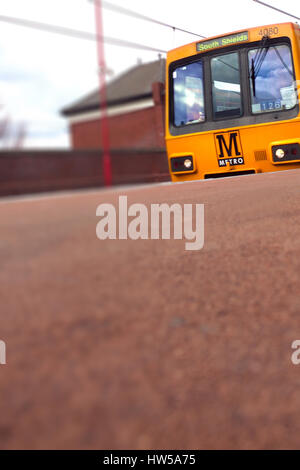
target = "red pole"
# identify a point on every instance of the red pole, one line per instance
(107, 171)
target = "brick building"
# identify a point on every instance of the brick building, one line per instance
(135, 110)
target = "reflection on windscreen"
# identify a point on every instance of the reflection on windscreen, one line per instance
(188, 94)
(226, 86)
(272, 79)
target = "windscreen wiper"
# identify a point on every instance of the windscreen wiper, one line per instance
(283, 62)
(253, 78)
(258, 61)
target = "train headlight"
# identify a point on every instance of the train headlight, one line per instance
(188, 164)
(286, 153)
(280, 153)
(181, 165)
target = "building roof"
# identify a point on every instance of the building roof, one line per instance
(132, 85)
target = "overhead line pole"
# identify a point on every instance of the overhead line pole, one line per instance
(104, 123)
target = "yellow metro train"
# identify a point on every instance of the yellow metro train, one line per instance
(232, 104)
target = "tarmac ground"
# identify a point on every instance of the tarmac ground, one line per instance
(123, 344)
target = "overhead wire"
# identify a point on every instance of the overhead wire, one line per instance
(140, 16)
(77, 33)
(277, 9)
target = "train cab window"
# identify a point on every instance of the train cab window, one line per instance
(188, 94)
(271, 79)
(226, 86)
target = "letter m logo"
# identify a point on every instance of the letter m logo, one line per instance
(228, 145)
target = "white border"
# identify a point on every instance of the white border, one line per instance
(112, 111)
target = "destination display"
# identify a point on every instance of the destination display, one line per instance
(224, 41)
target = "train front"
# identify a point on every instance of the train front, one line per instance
(232, 104)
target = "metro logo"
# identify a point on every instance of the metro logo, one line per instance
(229, 149)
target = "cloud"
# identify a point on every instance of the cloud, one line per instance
(40, 72)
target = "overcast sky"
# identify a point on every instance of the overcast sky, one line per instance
(42, 72)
